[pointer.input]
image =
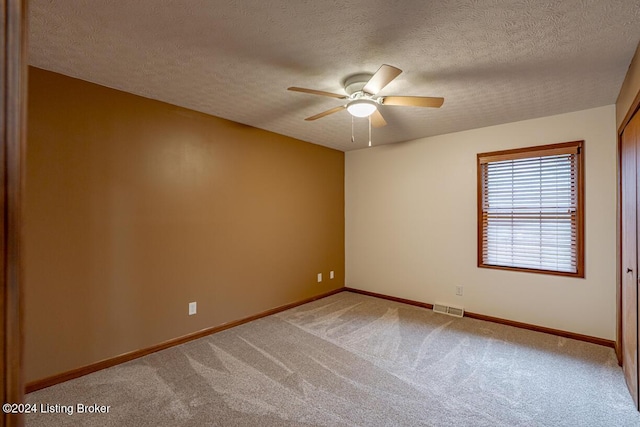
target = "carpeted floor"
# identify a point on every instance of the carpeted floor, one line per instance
(353, 360)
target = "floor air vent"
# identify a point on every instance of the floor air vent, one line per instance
(447, 309)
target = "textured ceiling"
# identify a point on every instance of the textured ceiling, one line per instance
(494, 61)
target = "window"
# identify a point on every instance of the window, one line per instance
(530, 209)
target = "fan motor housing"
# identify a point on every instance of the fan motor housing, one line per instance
(356, 82)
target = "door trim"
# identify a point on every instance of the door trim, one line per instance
(13, 74)
(635, 108)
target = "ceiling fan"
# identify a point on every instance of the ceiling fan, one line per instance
(361, 96)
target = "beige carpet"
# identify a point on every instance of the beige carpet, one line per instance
(353, 360)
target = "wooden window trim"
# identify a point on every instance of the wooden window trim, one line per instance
(572, 147)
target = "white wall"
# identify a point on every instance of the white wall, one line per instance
(411, 229)
(629, 90)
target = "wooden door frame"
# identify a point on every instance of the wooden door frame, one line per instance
(13, 74)
(619, 273)
(633, 110)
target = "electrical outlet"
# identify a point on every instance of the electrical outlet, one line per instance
(192, 308)
(459, 290)
(319, 277)
(331, 274)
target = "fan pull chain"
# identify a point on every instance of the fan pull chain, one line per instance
(369, 131)
(353, 139)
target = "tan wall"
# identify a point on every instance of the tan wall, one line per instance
(629, 90)
(411, 225)
(134, 208)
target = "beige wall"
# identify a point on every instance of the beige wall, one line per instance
(629, 90)
(134, 208)
(411, 225)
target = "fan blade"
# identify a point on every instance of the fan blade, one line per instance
(413, 101)
(326, 113)
(382, 77)
(377, 121)
(317, 92)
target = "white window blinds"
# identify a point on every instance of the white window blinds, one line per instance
(530, 209)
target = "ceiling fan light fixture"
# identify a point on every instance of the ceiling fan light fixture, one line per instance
(361, 108)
